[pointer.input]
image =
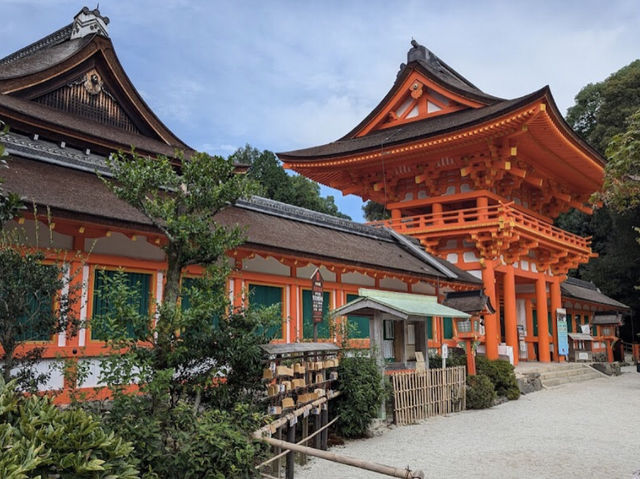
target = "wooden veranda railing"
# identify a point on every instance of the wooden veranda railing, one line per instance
(418, 395)
(482, 217)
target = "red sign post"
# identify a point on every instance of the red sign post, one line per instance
(317, 298)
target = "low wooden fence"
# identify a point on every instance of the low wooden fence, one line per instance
(418, 395)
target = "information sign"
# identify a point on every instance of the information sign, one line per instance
(317, 297)
(563, 337)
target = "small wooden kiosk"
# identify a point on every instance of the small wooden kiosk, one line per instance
(397, 324)
(604, 329)
(580, 347)
(476, 303)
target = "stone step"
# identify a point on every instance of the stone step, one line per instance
(564, 373)
(573, 379)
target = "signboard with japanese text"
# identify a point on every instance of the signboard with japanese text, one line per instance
(316, 296)
(563, 337)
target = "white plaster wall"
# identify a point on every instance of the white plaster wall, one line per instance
(267, 265)
(307, 271)
(358, 278)
(120, 245)
(47, 366)
(93, 373)
(469, 257)
(521, 313)
(423, 288)
(27, 233)
(452, 258)
(393, 283)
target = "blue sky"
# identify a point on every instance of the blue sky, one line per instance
(282, 75)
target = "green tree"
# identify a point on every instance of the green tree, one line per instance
(28, 290)
(375, 211)
(277, 185)
(603, 110)
(621, 190)
(201, 356)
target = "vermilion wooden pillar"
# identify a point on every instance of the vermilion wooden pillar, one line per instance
(556, 302)
(510, 321)
(542, 313)
(490, 320)
(531, 350)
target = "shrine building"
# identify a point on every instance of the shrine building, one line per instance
(472, 182)
(69, 104)
(478, 180)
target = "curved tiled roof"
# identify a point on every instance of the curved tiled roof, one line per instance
(413, 131)
(587, 291)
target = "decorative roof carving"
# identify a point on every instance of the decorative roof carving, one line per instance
(89, 98)
(89, 22)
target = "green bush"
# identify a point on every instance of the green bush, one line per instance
(41, 441)
(360, 383)
(457, 357)
(180, 443)
(480, 392)
(501, 374)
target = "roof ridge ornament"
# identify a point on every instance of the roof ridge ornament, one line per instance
(418, 52)
(89, 22)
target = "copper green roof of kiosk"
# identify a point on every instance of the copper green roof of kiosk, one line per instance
(401, 305)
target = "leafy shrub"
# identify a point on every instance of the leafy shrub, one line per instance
(182, 443)
(501, 374)
(457, 357)
(45, 441)
(480, 392)
(360, 382)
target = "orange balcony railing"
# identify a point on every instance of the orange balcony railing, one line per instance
(473, 219)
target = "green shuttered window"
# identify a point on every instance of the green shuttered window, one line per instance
(358, 325)
(261, 295)
(40, 307)
(307, 318)
(448, 327)
(139, 282)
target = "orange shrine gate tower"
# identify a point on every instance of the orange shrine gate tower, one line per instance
(478, 180)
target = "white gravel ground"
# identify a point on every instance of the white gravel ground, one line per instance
(581, 430)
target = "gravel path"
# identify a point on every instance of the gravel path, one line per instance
(581, 430)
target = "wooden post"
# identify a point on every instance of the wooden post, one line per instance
(531, 351)
(291, 437)
(317, 440)
(556, 303)
(541, 313)
(510, 320)
(305, 432)
(276, 465)
(325, 421)
(490, 320)
(376, 343)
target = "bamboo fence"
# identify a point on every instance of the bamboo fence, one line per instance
(418, 395)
